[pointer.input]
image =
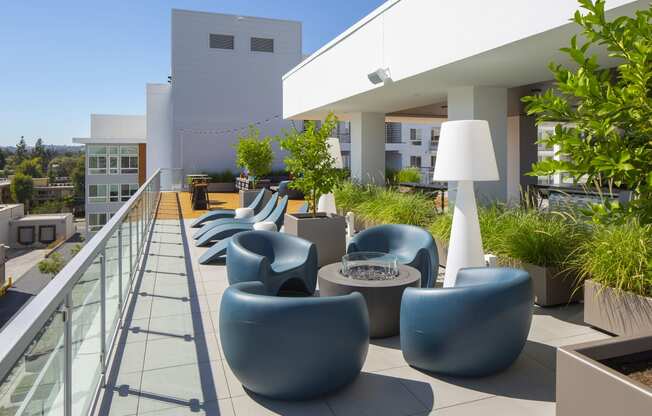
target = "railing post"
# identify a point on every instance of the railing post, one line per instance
(120, 300)
(67, 356)
(103, 314)
(131, 250)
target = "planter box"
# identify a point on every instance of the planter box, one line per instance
(617, 312)
(551, 287)
(247, 196)
(442, 251)
(221, 187)
(328, 232)
(586, 386)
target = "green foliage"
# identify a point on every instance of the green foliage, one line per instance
(618, 256)
(607, 114)
(63, 166)
(52, 265)
(30, 167)
(75, 249)
(49, 207)
(22, 188)
(223, 176)
(21, 150)
(78, 177)
(542, 239)
(441, 226)
(309, 160)
(384, 205)
(408, 175)
(253, 154)
(3, 160)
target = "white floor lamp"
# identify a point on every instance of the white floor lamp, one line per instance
(465, 154)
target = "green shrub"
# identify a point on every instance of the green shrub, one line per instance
(542, 239)
(441, 226)
(223, 176)
(617, 256)
(388, 206)
(349, 195)
(254, 154)
(410, 175)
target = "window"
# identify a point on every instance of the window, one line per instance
(47, 233)
(96, 221)
(113, 165)
(262, 45)
(433, 161)
(127, 190)
(217, 41)
(434, 135)
(128, 159)
(97, 193)
(26, 235)
(114, 193)
(415, 161)
(415, 137)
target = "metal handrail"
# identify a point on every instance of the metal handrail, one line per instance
(24, 327)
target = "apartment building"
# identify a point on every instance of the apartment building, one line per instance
(115, 164)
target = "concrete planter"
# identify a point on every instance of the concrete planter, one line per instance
(328, 232)
(617, 312)
(442, 251)
(221, 187)
(587, 386)
(248, 195)
(552, 287)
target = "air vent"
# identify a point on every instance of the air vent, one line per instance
(262, 45)
(221, 41)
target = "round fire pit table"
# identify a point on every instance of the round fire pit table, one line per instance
(383, 296)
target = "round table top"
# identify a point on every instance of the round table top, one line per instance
(407, 275)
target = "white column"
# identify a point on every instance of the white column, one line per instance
(368, 147)
(484, 103)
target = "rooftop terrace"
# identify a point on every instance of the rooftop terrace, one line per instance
(168, 358)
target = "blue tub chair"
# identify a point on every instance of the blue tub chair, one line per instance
(413, 246)
(224, 233)
(261, 216)
(292, 348)
(280, 261)
(477, 328)
(256, 205)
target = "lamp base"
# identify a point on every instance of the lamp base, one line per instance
(465, 247)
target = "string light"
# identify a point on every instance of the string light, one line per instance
(231, 130)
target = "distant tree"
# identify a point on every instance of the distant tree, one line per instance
(52, 265)
(62, 166)
(30, 167)
(22, 188)
(21, 150)
(78, 177)
(3, 160)
(42, 153)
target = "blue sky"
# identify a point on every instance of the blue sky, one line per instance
(62, 60)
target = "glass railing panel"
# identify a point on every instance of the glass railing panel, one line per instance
(86, 321)
(35, 384)
(112, 315)
(126, 270)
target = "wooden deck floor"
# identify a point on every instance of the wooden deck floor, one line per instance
(220, 201)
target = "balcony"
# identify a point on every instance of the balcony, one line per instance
(130, 326)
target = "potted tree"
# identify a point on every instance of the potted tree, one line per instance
(255, 155)
(312, 168)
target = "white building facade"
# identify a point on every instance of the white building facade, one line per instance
(115, 164)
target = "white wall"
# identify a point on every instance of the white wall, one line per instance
(216, 89)
(113, 126)
(414, 37)
(160, 138)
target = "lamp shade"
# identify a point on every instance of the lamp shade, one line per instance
(465, 152)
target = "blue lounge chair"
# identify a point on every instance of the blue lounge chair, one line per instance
(413, 246)
(256, 205)
(280, 261)
(293, 348)
(487, 319)
(224, 232)
(262, 214)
